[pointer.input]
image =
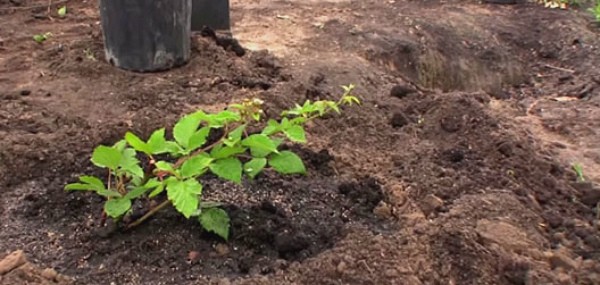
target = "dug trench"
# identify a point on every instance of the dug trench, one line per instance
(413, 187)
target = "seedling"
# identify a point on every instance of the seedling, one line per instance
(40, 38)
(240, 151)
(596, 11)
(578, 168)
(62, 11)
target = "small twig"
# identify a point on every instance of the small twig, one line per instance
(35, 6)
(149, 214)
(559, 68)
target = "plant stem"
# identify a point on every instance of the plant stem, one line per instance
(149, 214)
(204, 149)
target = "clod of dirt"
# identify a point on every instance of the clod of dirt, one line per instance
(383, 210)
(401, 91)
(590, 195)
(399, 120)
(290, 243)
(12, 261)
(454, 155)
(431, 203)
(504, 234)
(558, 259)
(366, 194)
(15, 269)
(193, 257)
(451, 124)
(227, 43)
(516, 272)
(396, 195)
(222, 249)
(553, 219)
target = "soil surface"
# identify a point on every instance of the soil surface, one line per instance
(456, 169)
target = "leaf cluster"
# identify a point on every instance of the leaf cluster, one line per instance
(190, 154)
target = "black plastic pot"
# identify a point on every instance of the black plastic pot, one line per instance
(210, 13)
(146, 35)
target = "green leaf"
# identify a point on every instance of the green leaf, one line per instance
(287, 162)
(164, 166)
(221, 151)
(62, 11)
(136, 143)
(228, 168)
(235, 136)
(120, 145)
(159, 189)
(254, 166)
(173, 148)
(141, 190)
(260, 142)
(186, 127)
(264, 153)
(108, 193)
(130, 163)
(215, 220)
(271, 128)
(105, 156)
(80, 186)
(92, 180)
(198, 139)
(184, 195)
(224, 117)
(115, 208)
(296, 134)
(195, 165)
(157, 143)
(40, 38)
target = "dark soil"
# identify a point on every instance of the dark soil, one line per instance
(456, 169)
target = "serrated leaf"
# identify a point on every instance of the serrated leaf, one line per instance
(157, 143)
(264, 153)
(136, 143)
(108, 193)
(228, 168)
(195, 165)
(184, 195)
(62, 11)
(164, 166)
(222, 151)
(159, 189)
(80, 186)
(115, 208)
(120, 145)
(271, 128)
(105, 156)
(92, 180)
(287, 162)
(235, 136)
(174, 148)
(296, 134)
(254, 166)
(223, 118)
(185, 128)
(215, 220)
(198, 139)
(130, 163)
(260, 142)
(141, 190)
